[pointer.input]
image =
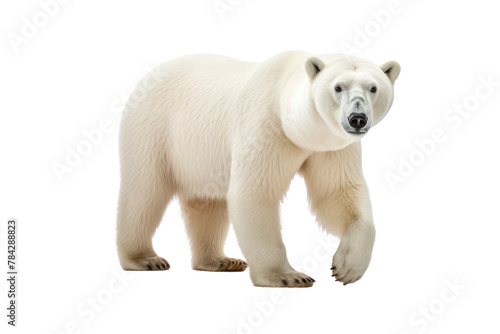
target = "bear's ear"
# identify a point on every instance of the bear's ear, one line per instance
(391, 69)
(313, 66)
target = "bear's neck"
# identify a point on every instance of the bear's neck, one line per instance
(302, 123)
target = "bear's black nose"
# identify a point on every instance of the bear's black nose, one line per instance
(357, 121)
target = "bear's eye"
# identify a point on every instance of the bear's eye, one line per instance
(374, 89)
(338, 89)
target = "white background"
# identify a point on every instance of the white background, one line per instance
(439, 226)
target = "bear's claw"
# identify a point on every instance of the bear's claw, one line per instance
(292, 279)
(224, 264)
(154, 263)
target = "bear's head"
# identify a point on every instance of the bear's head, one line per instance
(346, 97)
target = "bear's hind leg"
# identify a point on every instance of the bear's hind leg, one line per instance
(144, 194)
(207, 224)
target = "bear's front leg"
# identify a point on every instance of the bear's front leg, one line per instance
(257, 226)
(259, 178)
(339, 197)
(354, 253)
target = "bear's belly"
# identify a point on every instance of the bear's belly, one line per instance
(202, 164)
(196, 179)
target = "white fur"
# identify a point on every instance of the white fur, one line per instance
(227, 137)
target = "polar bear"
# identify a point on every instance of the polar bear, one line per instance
(227, 137)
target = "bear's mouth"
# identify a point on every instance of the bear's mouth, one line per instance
(357, 132)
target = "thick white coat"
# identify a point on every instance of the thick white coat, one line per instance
(227, 137)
